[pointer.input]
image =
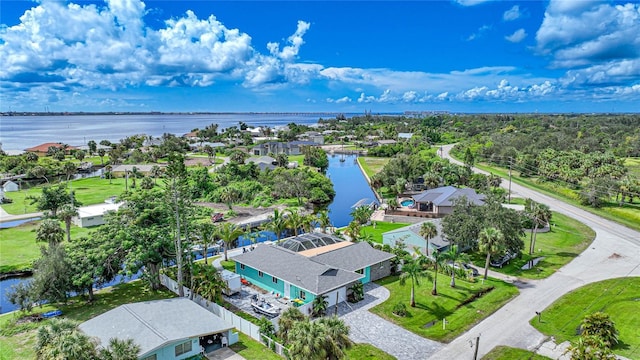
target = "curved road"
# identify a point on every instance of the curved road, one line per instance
(615, 252)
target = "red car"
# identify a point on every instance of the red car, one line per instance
(217, 217)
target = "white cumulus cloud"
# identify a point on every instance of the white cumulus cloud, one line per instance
(512, 14)
(517, 36)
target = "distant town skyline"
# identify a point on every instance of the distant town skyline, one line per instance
(472, 56)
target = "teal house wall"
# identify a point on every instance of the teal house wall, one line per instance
(265, 281)
(295, 293)
(168, 352)
(367, 275)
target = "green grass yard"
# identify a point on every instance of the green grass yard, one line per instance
(566, 240)
(380, 228)
(88, 191)
(617, 297)
(426, 318)
(509, 353)
(372, 165)
(19, 248)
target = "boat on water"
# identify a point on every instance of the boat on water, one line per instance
(262, 306)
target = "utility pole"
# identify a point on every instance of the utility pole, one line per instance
(475, 353)
(510, 160)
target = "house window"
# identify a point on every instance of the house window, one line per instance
(183, 348)
(151, 357)
(260, 273)
(274, 279)
(303, 295)
(361, 271)
(242, 266)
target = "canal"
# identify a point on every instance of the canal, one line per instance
(349, 184)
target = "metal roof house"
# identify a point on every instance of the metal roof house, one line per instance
(93, 215)
(166, 329)
(410, 236)
(440, 200)
(311, 265)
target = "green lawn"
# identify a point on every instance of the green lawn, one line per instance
(88, 191)
(367, 351)
(380, 228)
(372, 165)
(228, 265)
(627, 214)
(253, 350)
(566, 240)
(17, 341)
(426, 318)
(19, 248)
(509, 353)
(620, 298)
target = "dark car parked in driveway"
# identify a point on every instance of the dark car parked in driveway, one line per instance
(502, 260)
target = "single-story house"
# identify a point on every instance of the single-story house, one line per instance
(311, 265)
(385, 142)
(312, 136)
(405, 136)
(275, 148)
(262, 162)
(410, 236)
(10, 186)
(441, 200)
(98, 147)
(199, 146)
(93, 215)
(166, 329)
(42, 149)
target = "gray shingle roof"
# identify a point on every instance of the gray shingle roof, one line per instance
(353, 257)
(296, 269)
(445, 196)
(154, 324)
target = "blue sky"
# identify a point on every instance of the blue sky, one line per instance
(294, 56)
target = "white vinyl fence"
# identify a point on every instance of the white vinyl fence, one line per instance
(245, 326)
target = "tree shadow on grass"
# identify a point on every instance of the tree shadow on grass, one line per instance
(566, 254)
(436, 310)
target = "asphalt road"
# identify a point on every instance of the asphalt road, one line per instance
(614, 253)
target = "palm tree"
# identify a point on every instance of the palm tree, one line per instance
(156, 172)
(361, 214)
(66, 214)
(60, 339)
(357, 289)
(277, 223)
(353, 230)
(49, 231)
(206, 233)
(455, 257)
(428, 231)
(135, 173)
(307, 341)
(294, 221)
(308, 222)
(119, 349)
(228, 196)
(207, 282)
(490, 241)
(436, 259)
(286, 321)
(319, 305)
(229, 233)
(69, 169)
(599, 324)
(108, 169)
(336, 335)
(102, 153)
(412, 270)
(324, 220)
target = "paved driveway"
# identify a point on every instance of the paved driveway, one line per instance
(369, 328)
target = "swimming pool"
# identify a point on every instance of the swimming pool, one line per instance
(407, 202)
